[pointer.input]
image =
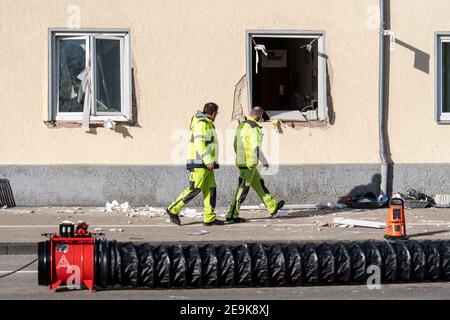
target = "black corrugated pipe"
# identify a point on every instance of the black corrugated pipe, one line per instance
(267, 264)
(381, 105)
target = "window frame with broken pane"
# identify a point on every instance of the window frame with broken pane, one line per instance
(322, 85)
(91, 35)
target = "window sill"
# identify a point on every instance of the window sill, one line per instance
(102, 119)
(301, 124)
(94, 123)
(444, 118)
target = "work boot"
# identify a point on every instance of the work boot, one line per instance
(280, 205)
(174, 218)
(236, 220)
(214, 223)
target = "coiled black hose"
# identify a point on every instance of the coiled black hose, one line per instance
(259, 264)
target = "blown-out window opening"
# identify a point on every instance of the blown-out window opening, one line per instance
(287, 74)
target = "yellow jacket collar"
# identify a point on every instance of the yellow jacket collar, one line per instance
(254, 120)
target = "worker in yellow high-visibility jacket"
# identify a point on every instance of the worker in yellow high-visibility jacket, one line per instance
(203, 154)
(247, 145)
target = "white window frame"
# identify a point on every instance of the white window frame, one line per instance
(122, 35)
(291, 34)
(441, 117)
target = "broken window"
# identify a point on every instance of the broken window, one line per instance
(287, 75)
(443, 78)
(90, 65)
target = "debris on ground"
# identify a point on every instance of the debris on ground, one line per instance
(19, 212)
(359, 223)
(442, 201)
(348, 223)
(414, 199)
(98, 229)
(152, 212)
(324, 224)
(366, 201)
(112, 206)
(344, 226)
(191, 213)
(5, 207)
(200, 233)
(116, 230)
(287, 207)
(339, 206)
(125, 208)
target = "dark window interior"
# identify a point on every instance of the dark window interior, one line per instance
(287, 77)
(446, 76)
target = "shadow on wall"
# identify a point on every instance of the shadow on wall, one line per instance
(421, 58)
(373, 186)
(6, 194)
(124, 131)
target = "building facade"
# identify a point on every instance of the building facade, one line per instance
(149, 65)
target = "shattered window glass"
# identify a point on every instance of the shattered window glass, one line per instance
(72, 60)
(108, 80)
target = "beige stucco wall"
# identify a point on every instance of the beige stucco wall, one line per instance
(415, 134)
(188, 52)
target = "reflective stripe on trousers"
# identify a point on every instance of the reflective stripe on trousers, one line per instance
(200, 180)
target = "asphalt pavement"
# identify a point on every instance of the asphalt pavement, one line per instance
(21, 229)
(23, 285)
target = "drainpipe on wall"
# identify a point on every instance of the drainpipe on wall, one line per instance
(381, 106)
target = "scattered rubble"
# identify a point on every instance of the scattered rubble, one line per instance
(98, 229)
(116, 230)
(287, 207)
(322, 224)
(349, 223)
(359, 223)
(345, 226)
(152, 212)
(200, 233)
(414, 199)
(340, 206)
(442, 200)
(19, 212)
(191, 213)
(366, 201)
(125, 208)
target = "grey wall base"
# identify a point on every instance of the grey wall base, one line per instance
(82, 185)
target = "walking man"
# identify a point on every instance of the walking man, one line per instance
(247, 144)
(203, 156)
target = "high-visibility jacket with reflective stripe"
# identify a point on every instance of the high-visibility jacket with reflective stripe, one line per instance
(247, 143)
(203, 145)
